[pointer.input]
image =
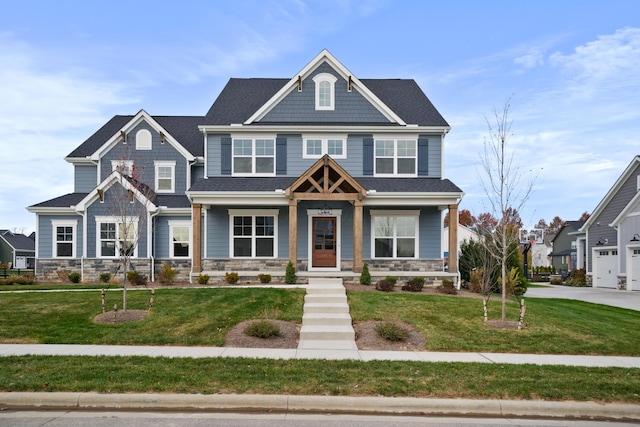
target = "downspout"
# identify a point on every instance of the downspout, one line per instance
(84, 245)
(151, 243)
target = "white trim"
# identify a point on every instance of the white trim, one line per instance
(73, 223)
(331, 80)
(106, 184)
(313, 213)
(395, 214)
(118, 221)
(145, 136)
(315, 128)
(157, 164)
(395, 158)
(253, 213)
(180, 223)
(115, 165)
(324, 138)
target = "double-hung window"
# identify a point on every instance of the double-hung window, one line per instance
(395, 234)
(317, 146)
(253, 233)
(165, 176)
(254, 157)
(180, 235)
(116, 237)
(396, 157)
(64, 238)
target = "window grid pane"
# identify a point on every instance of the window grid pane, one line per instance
(314, 147)
(334, 147)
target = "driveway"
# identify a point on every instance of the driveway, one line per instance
(613, 297)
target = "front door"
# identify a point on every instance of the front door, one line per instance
(324, 242)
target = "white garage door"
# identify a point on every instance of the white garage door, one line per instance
(606, 269)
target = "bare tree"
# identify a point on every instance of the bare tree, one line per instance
(506, 188)
(129, 203)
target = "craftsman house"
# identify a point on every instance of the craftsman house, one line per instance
(322, 169)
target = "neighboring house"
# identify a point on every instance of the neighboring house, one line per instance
(609, 241)
(541, 252)
(464, 234)
(565, 247)
(17, 250)
(323, 169)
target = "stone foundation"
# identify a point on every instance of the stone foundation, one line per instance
(622, 283)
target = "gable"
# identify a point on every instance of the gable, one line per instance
(299, 107)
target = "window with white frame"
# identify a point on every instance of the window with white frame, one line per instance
(396, 157)
(64, 238)
(180, 236)
(143, 140)
(254, 156)
(116, 237)
(253, 233)
(316, 147)
(125, 167)
(325, 91)
(395, 234)
(165, 176)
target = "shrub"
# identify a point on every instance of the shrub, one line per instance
(231, 278)
(556, 281)
(74, 277)
(136, 278)
(365, 277)
(392, 279)
(290, 274)
(578, 278)
(105, 277)
(262, 329)
(385, 285)
(392, 332)
(447, 288)
(203, 279)
(264, 278)
(167, 275)
(414, 285)
(27, 279)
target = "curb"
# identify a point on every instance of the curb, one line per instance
(321, 404)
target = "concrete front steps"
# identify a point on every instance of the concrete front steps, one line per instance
(326, 323)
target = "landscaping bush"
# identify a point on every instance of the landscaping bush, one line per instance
(203, 279)
(167, 275)
(578, 278)
(136, 279)
(556, 281)
(365, 276)
(264, 278)
(74, 277)
(414, 285)
(447, 288)
(262, 329)
(392, 279)
(14, 279)
(385, 285)
(105, 277)
(290, 274)
(231, 278)
(391, 332)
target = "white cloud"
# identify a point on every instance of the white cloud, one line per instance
(530, 60)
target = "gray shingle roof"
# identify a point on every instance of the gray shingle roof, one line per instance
(240, 98)
(18, 241)
(70, 199)
(172, 201)
(382, 185)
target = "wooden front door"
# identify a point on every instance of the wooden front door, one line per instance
(324, 242)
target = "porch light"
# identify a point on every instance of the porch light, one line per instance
(635, 238)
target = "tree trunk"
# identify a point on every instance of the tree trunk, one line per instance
(523, 308)
(124, 287)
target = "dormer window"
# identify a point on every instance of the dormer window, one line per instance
(143, 140)
(325, 91)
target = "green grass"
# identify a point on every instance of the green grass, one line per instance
(554, 326)
(317, 377)
(180, 316)
(57, 286)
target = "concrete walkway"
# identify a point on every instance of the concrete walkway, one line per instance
(612, 297)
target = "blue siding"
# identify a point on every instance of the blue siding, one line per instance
(45, 234)
(430, 229)
(435, 155)
(161, 242)
(197, 172)
(214, 154)
(109, 208)
(144, 159)
(85, 178)
(299, 107)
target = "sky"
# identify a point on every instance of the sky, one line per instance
(569, 70)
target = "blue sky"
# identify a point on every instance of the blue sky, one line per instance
(572, 70)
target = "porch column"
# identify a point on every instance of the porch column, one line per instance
(453, 238)
(293, 232)
(196, 220)
(357, 236)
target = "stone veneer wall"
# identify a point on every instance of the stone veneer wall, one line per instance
(57, 270)
(622, 283)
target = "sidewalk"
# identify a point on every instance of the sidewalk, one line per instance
(297, 353)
